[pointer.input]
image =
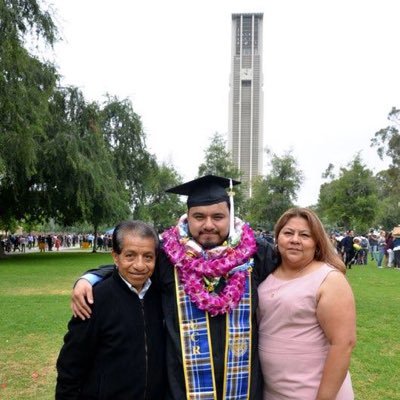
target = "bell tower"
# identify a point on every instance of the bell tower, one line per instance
(245, 138)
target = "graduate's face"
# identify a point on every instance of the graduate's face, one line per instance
(137, 259)
(209, 225)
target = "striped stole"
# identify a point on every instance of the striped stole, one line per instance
(197, 348)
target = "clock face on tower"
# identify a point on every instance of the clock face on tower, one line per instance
(247, 73)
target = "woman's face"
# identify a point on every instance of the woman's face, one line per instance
(295, 242)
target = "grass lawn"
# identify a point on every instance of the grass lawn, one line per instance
(34, 311)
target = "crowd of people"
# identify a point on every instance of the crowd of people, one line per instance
(244, 316)
(379, 246)
(53, 242)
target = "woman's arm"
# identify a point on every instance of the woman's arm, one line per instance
(337, 317)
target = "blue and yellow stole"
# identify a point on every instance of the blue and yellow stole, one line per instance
(197, 348)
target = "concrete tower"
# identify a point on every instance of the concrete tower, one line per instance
(245, 140)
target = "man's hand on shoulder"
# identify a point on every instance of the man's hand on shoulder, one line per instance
(81, 298)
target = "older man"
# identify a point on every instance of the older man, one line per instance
(210, 266)
(118, 354)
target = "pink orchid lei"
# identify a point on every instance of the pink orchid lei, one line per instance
(194, 267)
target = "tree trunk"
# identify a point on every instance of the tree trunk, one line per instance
(95, 240)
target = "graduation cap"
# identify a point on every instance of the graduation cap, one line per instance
(208, 190)
(204, 191)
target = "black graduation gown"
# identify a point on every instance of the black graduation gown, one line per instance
(263, 265)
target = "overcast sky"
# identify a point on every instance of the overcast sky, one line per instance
(331, 73)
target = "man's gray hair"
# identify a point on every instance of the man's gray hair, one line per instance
(136, 228)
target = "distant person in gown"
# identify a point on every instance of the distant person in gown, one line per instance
(306, 314)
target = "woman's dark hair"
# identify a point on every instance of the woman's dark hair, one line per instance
(136, 228)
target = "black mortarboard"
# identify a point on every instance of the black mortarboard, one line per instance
(204, 191)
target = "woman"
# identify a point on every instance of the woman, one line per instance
(389, 256)
(306, 314)
(381, 248)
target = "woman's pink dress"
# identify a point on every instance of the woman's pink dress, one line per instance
(292, 345)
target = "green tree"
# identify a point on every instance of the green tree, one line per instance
(77, 181)
(274, 193)
(54, 159)
(123, 131)
(26, 83)
(350, 201)
(218, 161)
(108, 200)
(160, 208)
(387, 142)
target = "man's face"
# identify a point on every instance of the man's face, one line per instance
(209, 225)
(137, 259)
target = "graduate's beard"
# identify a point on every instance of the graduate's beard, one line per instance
(208, 245)
(211, 245)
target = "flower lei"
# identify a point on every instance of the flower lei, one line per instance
(197, 266)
